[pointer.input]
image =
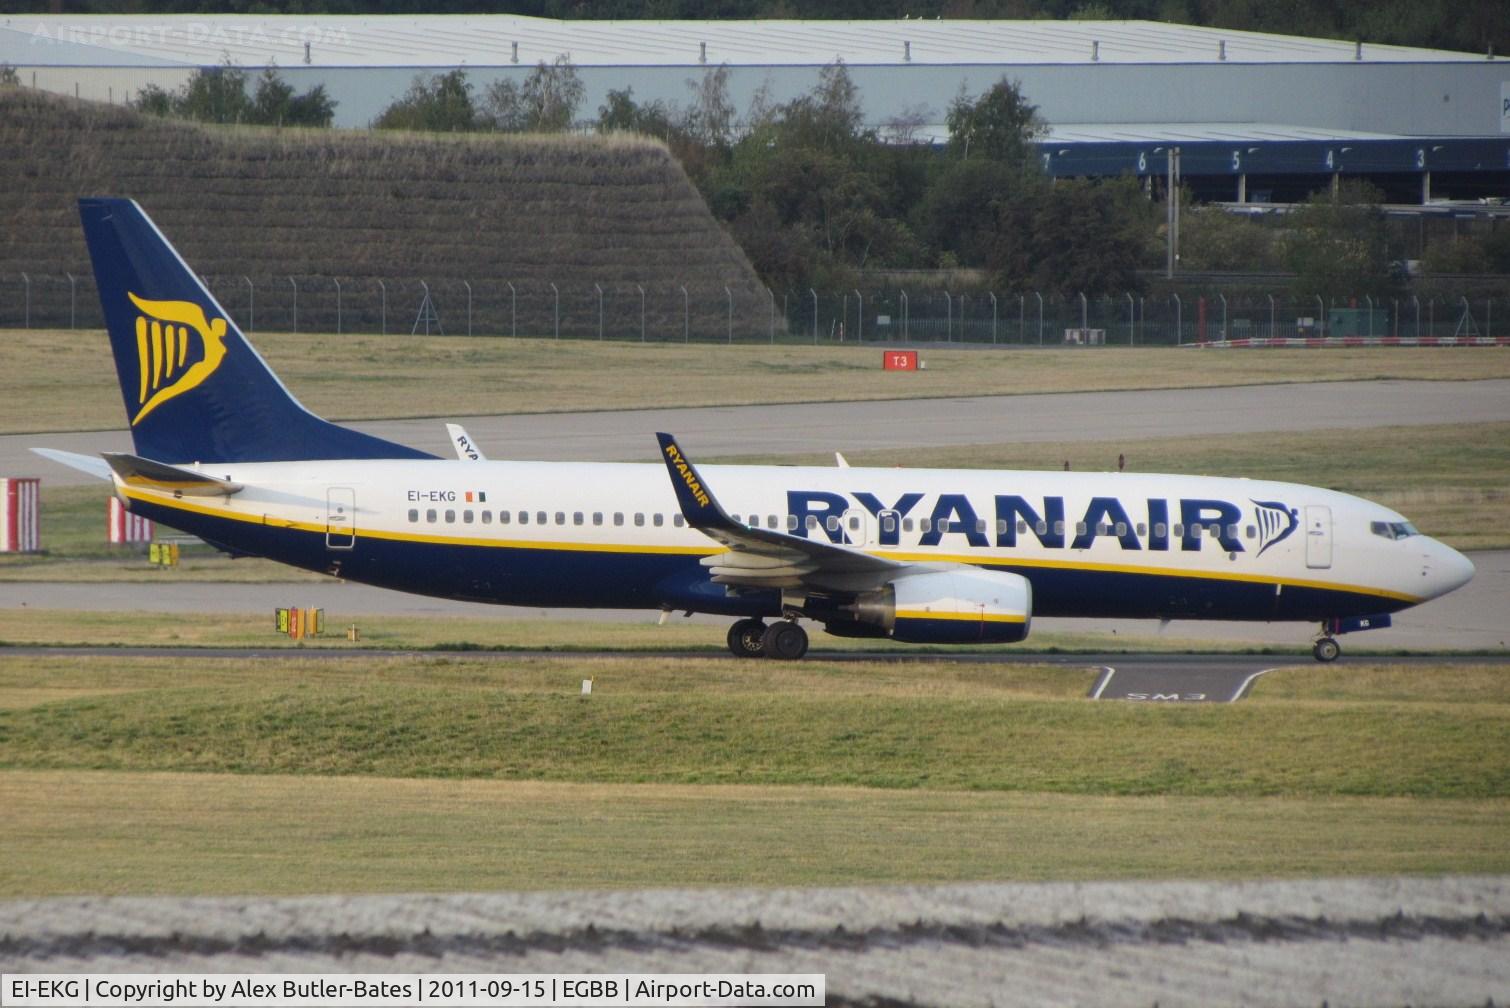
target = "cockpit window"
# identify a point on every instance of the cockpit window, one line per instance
(1393, 530)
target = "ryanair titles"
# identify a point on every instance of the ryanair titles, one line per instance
(1149, 524)
(688, 475)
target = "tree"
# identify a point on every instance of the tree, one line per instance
(1000, 125)
(215, 94)
(275, 103)
(1341, 247)
(435, 103)
(218, 94)
(1078, 236)
(545, 103)
(710, 120)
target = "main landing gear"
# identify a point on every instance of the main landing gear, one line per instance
(783, 640)
(1326, 649)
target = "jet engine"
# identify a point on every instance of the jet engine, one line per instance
(965, 605)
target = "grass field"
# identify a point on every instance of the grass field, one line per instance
(298, 775)
(58, 381)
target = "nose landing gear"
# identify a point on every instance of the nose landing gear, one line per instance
(1326, 649)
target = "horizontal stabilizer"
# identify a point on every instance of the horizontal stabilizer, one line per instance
(91, 464)
(139, 472)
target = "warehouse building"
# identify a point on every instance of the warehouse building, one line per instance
(1257, 118)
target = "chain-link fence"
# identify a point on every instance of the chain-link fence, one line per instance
(704, 313)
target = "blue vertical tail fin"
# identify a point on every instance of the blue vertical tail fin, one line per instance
(195, 390)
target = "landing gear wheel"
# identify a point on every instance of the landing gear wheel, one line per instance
(784, 641)
(1326, 649)
(747, 639)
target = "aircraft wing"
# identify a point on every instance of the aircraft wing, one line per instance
(768, 558)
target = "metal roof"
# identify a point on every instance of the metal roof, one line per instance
(490, 40)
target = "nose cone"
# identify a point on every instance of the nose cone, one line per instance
(1445, 570)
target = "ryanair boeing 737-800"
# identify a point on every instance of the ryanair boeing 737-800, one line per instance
(224, 452)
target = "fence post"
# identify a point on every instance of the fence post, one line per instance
(1224, 314)
(26, 283)
(1273, 325)
(1085, 314)
(1179, 320)
(384, 288)
(686, 316)
(338, 304)
(513, 311)
(814, 292)
(599, 288)
(557, 315)
(906, 327)
(251, 305)
(948, 316)
(468, 285)
(1417, 299)
(993, 316)
(772, 295)
(295, 286)
(1368, 300)
(1022, 320)
(642, 312)
(1039, 296)
(1132, 320)
(859, 316)
(730, 295)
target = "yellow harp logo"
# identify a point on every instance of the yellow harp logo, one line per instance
(168, 361)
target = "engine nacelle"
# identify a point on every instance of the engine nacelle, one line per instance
(963, 606)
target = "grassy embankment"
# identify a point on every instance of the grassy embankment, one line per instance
(150, 775)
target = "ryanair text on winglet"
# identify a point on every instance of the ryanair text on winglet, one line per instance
(698, 493)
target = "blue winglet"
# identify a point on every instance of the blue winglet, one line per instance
(698, 506)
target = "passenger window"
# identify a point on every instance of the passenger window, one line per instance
(560, 517)
(889, 524)
(1179, 531)
(1121, 529)
(833, 523)
(812, 522)
(1231, 531)
(503, 517)
(678, 520)
(414, 514)
(736, 519)
(1251, 532)
(487, 517)
(925, 524)
(658, 519)
(1059, 528)
(639, 518)
(618, 517)
(541, 518)
(576, 518)
(597, 517)
(1161, 530)
(980, 524)
(854, 523)
(1043, 527)
(430, 516)
(1080, 528)
(450, 517)
(791, 523)
(1142, 529)
(524, 517)
(466, 516)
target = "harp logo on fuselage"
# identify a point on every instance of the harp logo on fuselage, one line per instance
(177, 348)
